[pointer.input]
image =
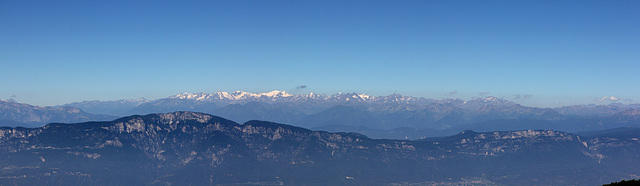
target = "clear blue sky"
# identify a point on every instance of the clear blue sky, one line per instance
(554, 52)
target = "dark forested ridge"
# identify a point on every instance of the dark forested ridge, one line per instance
(624, 183)
(184, 148)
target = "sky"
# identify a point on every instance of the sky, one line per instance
(536, 53)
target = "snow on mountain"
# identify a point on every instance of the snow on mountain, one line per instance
(283, 96)
(197, 96)
(237, 95)
(491, 100)
(350, 97)
(276, 93)
(234, 96)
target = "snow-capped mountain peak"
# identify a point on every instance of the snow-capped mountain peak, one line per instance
(491, 100)
(237, 95)
(194, 96)
(223, 95)
(283, 96)
(364, 96)
(276, 93)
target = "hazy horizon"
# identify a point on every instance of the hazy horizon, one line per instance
(300, 91)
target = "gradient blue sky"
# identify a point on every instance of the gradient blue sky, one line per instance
(555, 52)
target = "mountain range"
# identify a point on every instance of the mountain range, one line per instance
(20, 114)
(190, 148)
(393, 116)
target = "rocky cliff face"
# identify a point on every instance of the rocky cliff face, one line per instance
(194, 148)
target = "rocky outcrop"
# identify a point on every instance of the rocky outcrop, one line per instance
(195, 148)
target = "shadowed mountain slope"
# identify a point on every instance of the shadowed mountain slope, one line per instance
(194, 148)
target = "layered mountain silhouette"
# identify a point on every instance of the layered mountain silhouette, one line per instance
(191, 148)
(393, 116)
(20, 114)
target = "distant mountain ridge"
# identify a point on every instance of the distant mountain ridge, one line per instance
(596, 110)
(114, 108)
(20, 114)
(189, 148)
(296, 109)
(376, 114)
